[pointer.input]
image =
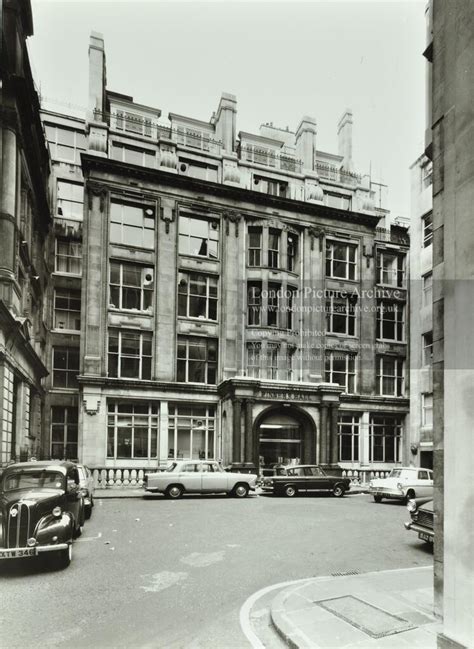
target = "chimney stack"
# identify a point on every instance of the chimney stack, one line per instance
(97, 78)
(344, 134)
(226, 121)
(306, 142)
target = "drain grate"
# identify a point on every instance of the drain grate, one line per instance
(370, 619)
(345, 574)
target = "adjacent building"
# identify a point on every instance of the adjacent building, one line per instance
(421, 313)
(450, 145)
(220, 294)
(24, 223)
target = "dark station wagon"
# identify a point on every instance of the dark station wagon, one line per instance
(42, 510)
(291, 480)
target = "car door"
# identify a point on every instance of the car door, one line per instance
(213, 479)
(74, 494)
(424, 486)
(319, 481)
(298, 478)
(190, 476)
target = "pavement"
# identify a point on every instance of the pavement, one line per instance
(372, 610)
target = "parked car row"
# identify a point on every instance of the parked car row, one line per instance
(209, 477)
(43, 508)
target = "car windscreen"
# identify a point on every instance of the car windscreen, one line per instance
(38, 479)
(395, 473)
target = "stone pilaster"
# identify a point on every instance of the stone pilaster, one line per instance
(236, 430)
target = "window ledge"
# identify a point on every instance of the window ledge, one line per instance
(114, 309)
(186, 318)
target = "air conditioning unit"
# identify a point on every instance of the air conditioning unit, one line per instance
(183, 168)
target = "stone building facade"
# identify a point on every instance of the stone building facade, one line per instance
(421, 313)
(450, 146)
(241, 297)
(24, 224)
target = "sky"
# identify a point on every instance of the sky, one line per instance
(282, 60)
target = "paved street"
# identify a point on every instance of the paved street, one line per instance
(158, 573)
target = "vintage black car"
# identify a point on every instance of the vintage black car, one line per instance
(291, 480)
(42, 511)
(422, 518)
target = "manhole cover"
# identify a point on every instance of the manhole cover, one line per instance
(361, 615)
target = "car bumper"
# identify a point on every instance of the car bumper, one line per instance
(387, 493)
(22, 553)
(425, 532)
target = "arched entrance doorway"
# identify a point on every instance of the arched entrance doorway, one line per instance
(285, 436)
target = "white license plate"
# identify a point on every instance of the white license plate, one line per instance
(425, 537)
(18, 553)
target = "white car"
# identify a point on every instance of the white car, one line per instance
(403, 483)
(195, 476)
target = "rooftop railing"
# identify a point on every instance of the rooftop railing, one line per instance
(133, 124)
(269, 158)
(333, 173)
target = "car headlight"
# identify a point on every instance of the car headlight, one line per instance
(371, 484)
(412, 506)
(400, 486)
(57, 511)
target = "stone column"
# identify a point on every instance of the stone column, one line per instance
(323, 435)
(334, 456)
(8, 184)
(236, 432)
(163, 441)
(249, 446)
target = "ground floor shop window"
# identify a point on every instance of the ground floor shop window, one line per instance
(191, 433)
(132, 430)
(385, 438)
(348, 436)
(64, 432)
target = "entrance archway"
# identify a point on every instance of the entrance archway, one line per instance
(284, 436)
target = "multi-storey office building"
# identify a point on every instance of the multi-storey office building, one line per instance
(66, 140)
(421, 313)
(239, 300)
(24, 223)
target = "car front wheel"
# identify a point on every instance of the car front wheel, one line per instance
(63, 558)
(240, 490)
(338, 491)
(378, 499)
(174, 491)
(290, 491)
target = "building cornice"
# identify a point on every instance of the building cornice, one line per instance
(91, 163)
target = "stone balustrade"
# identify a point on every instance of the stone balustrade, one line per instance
(363, 476)
(105, 478)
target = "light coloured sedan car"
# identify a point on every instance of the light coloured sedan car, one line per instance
(193, 476)
(86, 482)
(402, 484)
